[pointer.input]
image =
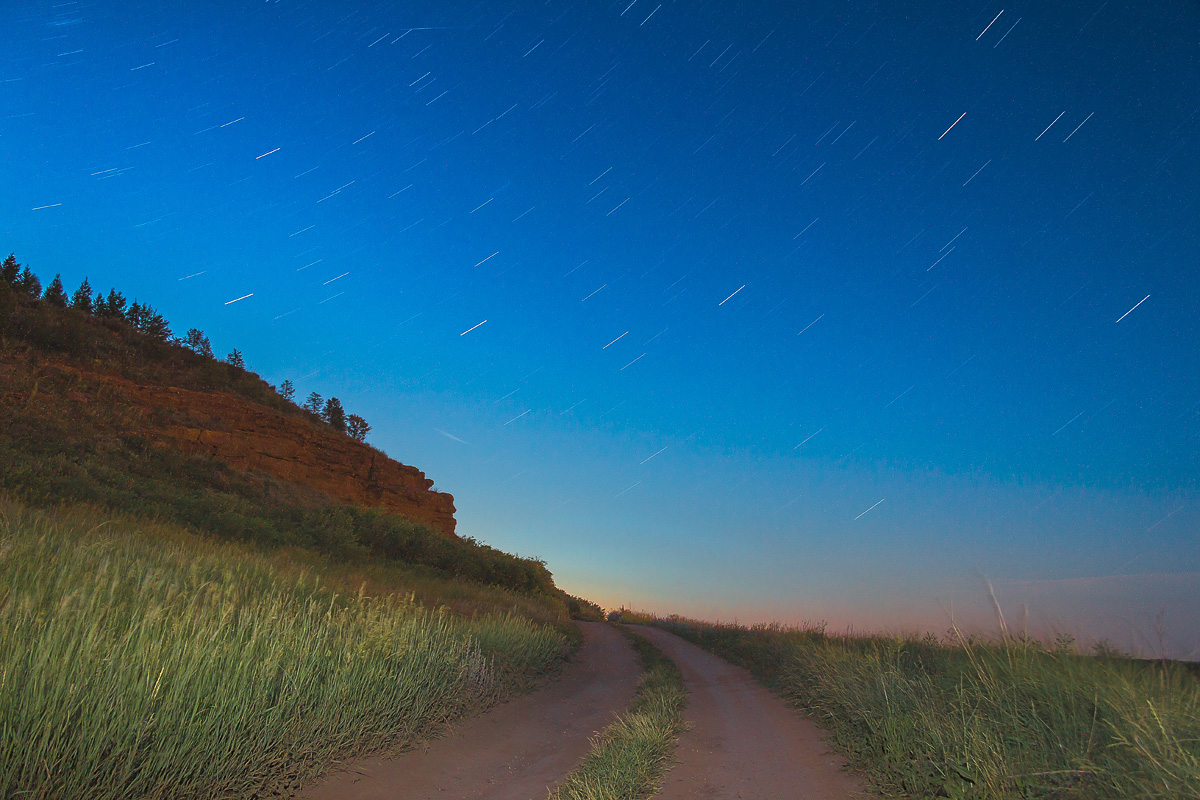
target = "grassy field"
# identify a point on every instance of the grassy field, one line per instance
(138, 660)
(973, 719)
(629, 757)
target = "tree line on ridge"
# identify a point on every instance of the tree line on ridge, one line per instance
(19, 280)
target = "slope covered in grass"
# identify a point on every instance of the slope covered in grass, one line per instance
(972, 719)
(137, 660)
(67, 435)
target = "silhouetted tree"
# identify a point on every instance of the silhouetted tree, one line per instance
(197, 342)
(29, 283)
(334, 414)
(10, 269)
(82, 299)
(315, 403)
(235, 359)
(112, 306)
(287, 390)
(145, 319)
(357, 427)
(157, 327)
(55, 295)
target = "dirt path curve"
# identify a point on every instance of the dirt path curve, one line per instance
(516, 751)
(745, 742)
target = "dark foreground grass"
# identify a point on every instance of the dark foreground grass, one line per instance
(138, 660)
(629, 757)
(971, 719)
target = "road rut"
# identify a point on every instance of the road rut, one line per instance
(744, 741)
(516, 751)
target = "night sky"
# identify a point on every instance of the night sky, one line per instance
(797, 311)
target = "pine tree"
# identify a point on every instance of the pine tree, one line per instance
(314, 403)
(82, 299)
(29, 283)
(155, 325)
(334, 414)
(55, 295)
(287, 390)
(112, 306)
(357, 427)
(235, 359)
(197, 342)
(10, 269)
(145, 319)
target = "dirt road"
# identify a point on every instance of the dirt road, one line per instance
(516, 751)
(744, 741)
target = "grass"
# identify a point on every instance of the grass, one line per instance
(55, 449)
(973, 719)
(138, 660)
(629, 757)
(65, 437)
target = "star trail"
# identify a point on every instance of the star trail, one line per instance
(745, 270)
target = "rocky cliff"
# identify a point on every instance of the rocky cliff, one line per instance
(251, 436)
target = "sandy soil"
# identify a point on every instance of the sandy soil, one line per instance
(516, 751)
(745, 742)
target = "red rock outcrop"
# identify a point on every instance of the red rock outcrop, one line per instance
(248, 435)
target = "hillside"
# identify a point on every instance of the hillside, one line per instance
(233, 429)
(65, 364)
(99, 403)
(208, 590)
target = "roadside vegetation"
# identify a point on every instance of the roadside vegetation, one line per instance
(55, 449)
(629, 757)
(967, 718)
(138, 660)
(171, 626)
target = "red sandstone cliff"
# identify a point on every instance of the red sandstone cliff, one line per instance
(248, 435)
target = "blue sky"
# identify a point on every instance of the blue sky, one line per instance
(792, 310)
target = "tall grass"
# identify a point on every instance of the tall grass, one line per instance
(629, 757)
(973, 719)
(137, 661)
